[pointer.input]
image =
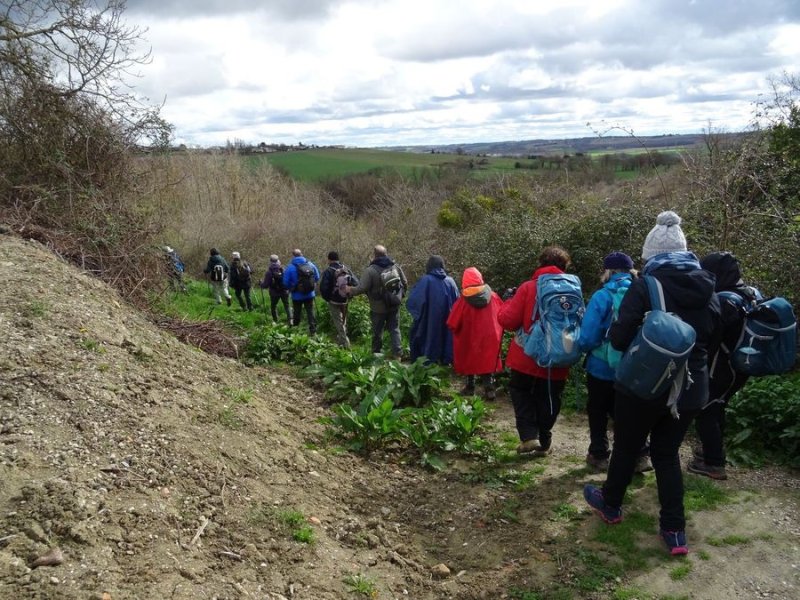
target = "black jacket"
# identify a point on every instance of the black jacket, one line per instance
(688, 294)
(240, 275)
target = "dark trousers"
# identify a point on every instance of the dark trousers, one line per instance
(244, 302)
(710, 426)
(710, 423)
(297, 308)
(391, 323)
(537, 403)
(599, 408)
(634, 419)
(273, 305)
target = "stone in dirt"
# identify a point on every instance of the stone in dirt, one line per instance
(440, 571)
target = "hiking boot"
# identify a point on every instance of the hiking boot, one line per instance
(642, 465)
(228, 300)
(675, 541)
(528, 447)
(596, 463)
(700, 467)
(594, 498)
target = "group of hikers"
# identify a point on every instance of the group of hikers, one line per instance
(651, 411)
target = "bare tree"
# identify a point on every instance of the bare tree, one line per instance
(68, 123)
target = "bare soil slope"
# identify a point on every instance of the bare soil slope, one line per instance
(157, 471)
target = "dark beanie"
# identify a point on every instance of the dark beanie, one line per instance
(333, 255)
(618, 261)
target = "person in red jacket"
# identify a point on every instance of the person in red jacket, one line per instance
(476, 333)
(535, 391)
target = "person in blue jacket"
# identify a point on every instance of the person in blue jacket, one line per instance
(429, 303)
(300, 278)
(601, 360)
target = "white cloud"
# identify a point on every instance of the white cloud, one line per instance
(380, 72)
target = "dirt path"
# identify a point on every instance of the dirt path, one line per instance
(158, 471)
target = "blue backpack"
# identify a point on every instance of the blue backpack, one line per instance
(606, 352)
(553, 340)
(658, 356)
(768, 342)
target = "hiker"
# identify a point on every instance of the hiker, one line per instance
(241, 280)
(601, 360)
(723, 380)
(429, 304)
(273, 281)
(176, 269)
(535, 391)
(477, 336)
(688, 292)
(384, 283)
(300, 278)
(217, 270)
(333, 289)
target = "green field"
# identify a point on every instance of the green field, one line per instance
(316, 164)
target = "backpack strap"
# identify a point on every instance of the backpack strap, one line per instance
(656, 293)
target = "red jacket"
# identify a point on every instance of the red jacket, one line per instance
(517, 312)
(476, 333)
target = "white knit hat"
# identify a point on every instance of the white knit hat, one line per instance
(236, 255)
(666, 236)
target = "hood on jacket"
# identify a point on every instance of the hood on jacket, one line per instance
(471, 278)
(435, 263)
(725, 268)
(438, 273)
(689, 289)
(382, 262)
(274, 266)
(299, 260)
(548, 270)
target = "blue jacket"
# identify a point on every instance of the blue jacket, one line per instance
(596, 322)
(290, 278)
(429, 303)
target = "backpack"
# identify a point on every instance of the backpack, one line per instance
(276, 283)
(606, 352)
(768, 342)
(658, 356)
(218, 273)
(305, 278)
(177, 263)
(391, 286)
(553, 340)
(342, 278)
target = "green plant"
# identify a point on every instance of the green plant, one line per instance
(565, 511)
(93, 346)
(763, 421)
(372, 425)
(34, 308)
(681, 571)
(701, 493)
(361, 584)
(703, 555)
(279, 343)
(728, 540)
(228, 416)
(304, 535)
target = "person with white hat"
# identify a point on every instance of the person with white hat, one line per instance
(688, 292)
(241, 281)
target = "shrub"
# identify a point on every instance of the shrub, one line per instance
(763, 421)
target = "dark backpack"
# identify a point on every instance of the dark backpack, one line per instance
(218, 273)
(768, 342)
(276, 283)
(656, 362)
(305, 278)
(334, 284)
(391, 286)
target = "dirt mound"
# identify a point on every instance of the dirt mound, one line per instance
(135, 466)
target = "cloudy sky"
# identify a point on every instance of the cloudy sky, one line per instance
(407, 72)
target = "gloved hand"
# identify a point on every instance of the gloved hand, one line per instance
(509, 293)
